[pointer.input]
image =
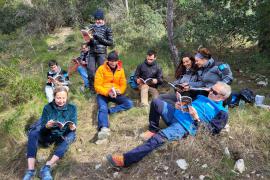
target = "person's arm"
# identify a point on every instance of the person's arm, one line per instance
(122, 82)
(218, 122)
(45, 117)
(107, 40)
(73, 117)
(159, 76)
(99, 82)
(138, 74)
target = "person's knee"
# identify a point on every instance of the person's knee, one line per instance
(70, 138)
(129, 104)
(103, 108)
(34, 133)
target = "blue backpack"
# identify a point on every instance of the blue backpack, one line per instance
(132, 82)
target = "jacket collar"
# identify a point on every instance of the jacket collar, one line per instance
(145, 61)
(54, 105)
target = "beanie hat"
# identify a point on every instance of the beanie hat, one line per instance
(99, 14)
(113, 56)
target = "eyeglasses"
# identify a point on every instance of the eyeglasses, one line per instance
(215, 92)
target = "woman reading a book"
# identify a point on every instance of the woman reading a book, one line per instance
(184, 74)
(58, 125)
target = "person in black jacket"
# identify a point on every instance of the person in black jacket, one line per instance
(148, 76)
(101, 38)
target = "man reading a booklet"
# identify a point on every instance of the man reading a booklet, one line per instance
(110, 85)
(56, 77)
(207, 111)
(148, 76)
(101, 37)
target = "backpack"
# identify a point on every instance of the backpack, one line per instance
(132, 82)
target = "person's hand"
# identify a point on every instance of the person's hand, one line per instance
(178, 105)
(118, 92)
(112, 93)
(49, 124)
(139, 81)
(154, 81)
(83, 62)
(72, 126)
(185, 87)
(193, 113)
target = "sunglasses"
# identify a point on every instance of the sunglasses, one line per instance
(215, 92)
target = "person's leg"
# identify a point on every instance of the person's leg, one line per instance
(91, 68)
(174, 132)
(144, 94)
(154, 92)
(159, 109)
(62, 147)
(100, 59)
(103, 120)
(123, 103)
(32, 146)
(83, 73)
(169, 98)
(49, 93)
(141, 151)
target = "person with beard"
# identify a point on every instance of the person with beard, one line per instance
(148, 70)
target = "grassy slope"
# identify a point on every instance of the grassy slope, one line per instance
(248, 137)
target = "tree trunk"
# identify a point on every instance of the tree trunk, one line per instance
(173, 48)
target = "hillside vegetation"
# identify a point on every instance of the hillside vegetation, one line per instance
(23, 65)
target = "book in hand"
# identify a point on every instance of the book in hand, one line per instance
(185, 101)
(146, 81)
(87, 35)
(62, 124)
(180, 87)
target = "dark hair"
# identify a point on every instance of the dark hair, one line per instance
(113, 56)
(52, 63)
(205, 52)
(181, 69)
(151, 52)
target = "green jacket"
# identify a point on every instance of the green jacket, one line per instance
(62, 114)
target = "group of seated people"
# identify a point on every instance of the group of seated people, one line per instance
(58, 122)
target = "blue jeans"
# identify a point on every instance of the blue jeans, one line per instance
(94, 61)
(123, 103)
(83, 73)
(174, 131)
(35, 138)
(159, 108)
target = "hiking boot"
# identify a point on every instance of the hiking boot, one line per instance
(147, 135)
(116, 160)
(45, 173)
(104, 133)
(29, 174)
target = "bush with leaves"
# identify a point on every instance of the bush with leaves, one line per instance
(15, 88)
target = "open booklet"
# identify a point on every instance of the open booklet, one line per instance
(180, 87)
(87, 34)
(146, 81)
(185, 101)
(62, 124)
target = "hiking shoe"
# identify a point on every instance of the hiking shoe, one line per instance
(147, 135)
(29, 174)
(116, 160)
(104, 133)
(45, 173)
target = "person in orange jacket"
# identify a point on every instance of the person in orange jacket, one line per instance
(110, 85)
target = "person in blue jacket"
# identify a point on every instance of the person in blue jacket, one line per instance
(54, 115)
(206, 110)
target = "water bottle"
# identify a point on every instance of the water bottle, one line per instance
(241, 104)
